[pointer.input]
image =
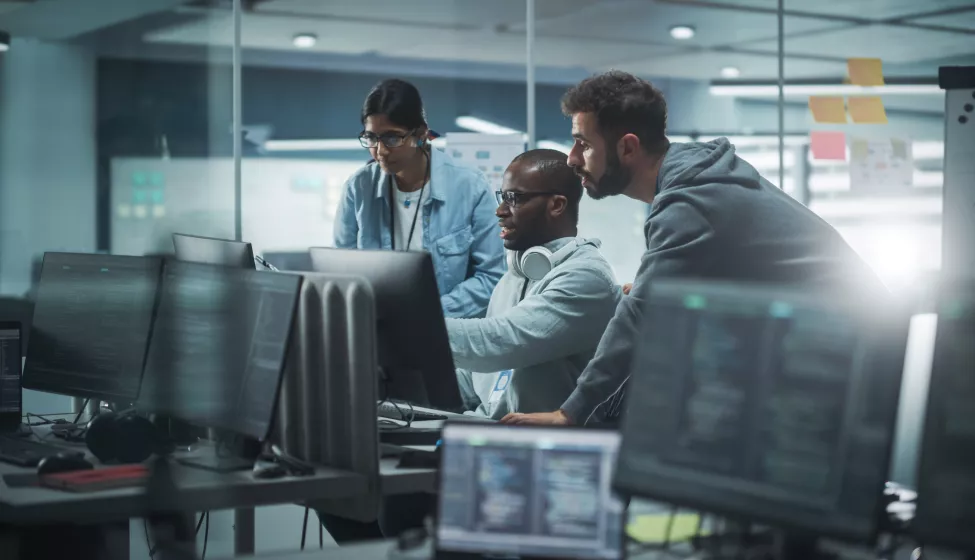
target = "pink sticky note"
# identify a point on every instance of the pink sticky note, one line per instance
(828, 145)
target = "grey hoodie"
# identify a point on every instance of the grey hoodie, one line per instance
(545, 339)
(715, 217)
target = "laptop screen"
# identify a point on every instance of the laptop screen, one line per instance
(529, 491)
(10, 393)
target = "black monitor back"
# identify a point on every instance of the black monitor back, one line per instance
(766, 405)
(946, 475)
(92, 323)
(11, 400)
(219, 345)
(414, 351)
(208, 250)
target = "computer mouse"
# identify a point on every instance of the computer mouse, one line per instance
(271, 470)
(63, 462)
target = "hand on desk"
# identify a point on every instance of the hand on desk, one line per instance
(557, 418)
(627, 288)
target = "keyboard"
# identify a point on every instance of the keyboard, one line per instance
(27, 453)
(388, 409)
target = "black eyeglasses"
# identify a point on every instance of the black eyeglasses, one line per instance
(514, 198)
(390, 139)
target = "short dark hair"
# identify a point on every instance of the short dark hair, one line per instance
(623, 104)
(554, 170)
(399, 100)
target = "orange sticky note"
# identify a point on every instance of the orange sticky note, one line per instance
(867, 110)
(828, 145)
(828, 109)
(865, 71)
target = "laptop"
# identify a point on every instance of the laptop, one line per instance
(528, 492)
(11, 405)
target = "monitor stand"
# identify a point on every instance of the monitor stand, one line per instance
(239, 454)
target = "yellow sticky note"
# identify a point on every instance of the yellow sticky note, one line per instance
(867, 110)
(859, 150)
(865, 71)
(652, 528)
(900, 148)
(828, 109)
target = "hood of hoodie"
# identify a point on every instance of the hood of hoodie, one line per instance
(695, 163)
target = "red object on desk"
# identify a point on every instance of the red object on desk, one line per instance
(97, 479)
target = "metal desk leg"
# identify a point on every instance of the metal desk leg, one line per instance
(244, 531)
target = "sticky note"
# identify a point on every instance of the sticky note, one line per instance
(828, 109)
(859, 149)
(865, 71)
(867, 110)
(900, 148)
(826, 145)
(652, 528)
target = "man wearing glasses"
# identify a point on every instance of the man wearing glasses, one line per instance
(549, 310)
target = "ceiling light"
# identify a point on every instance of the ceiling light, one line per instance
(553, 145)
(730, 72)
(682, 32)
(804, 90)
(4, 41)
(483, 126)
(323, 145)
(304, 40)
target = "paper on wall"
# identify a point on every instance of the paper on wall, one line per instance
(489, 153)
(880, 163)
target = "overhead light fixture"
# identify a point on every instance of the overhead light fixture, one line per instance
(805, 90)
(682, 32)
(319, 145)
(325, 145)
(304, 40)
(476, 124)
(4, 41)
(730, 72)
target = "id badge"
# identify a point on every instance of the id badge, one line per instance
(504, 378)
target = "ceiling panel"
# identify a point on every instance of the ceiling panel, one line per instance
(56, 20)
(478, 13)
(706, 65)
(892, 44)
(871, 9)
(644, 21)
(510, 48)
(963, 20)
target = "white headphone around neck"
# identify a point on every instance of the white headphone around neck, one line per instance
(538, 261)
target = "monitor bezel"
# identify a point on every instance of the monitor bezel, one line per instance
(14, 419)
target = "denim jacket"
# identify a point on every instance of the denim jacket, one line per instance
(460, 229)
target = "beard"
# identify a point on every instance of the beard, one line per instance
(614, 181)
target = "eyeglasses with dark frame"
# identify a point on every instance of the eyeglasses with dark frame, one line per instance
(514, 198)
(389, 139)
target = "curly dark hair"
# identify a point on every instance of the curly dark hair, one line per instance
(623, 104)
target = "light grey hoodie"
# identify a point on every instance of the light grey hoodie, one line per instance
(545, 339)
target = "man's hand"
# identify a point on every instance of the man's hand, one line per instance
(557, 418)
(627, 288)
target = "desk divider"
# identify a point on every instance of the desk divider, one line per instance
(326, 412)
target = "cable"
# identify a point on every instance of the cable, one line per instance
(206, 536)
(152, 549)
(304, 529)
(321, 534)
(670, 527)
(80, 412)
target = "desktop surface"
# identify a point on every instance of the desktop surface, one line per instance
(946, 488)
(768, 406)
(529, 491)
(219, 345)
(92, 322)
(10, 390)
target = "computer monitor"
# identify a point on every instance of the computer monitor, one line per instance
(767, 405)
(92, 323)
(10, 392)
(414, 351)
(945, 484)
(529, 491)
(219, 345)
(208, 250)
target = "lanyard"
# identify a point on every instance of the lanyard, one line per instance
(392, 215)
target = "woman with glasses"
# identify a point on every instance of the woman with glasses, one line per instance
(412, 197)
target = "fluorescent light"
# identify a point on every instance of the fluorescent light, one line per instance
(730, 72)
(484, 127)
(682, 32)
(802, 90)
(748, 141)
(552, 145)
(318, 145)
(4, 47)
(304, 40)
